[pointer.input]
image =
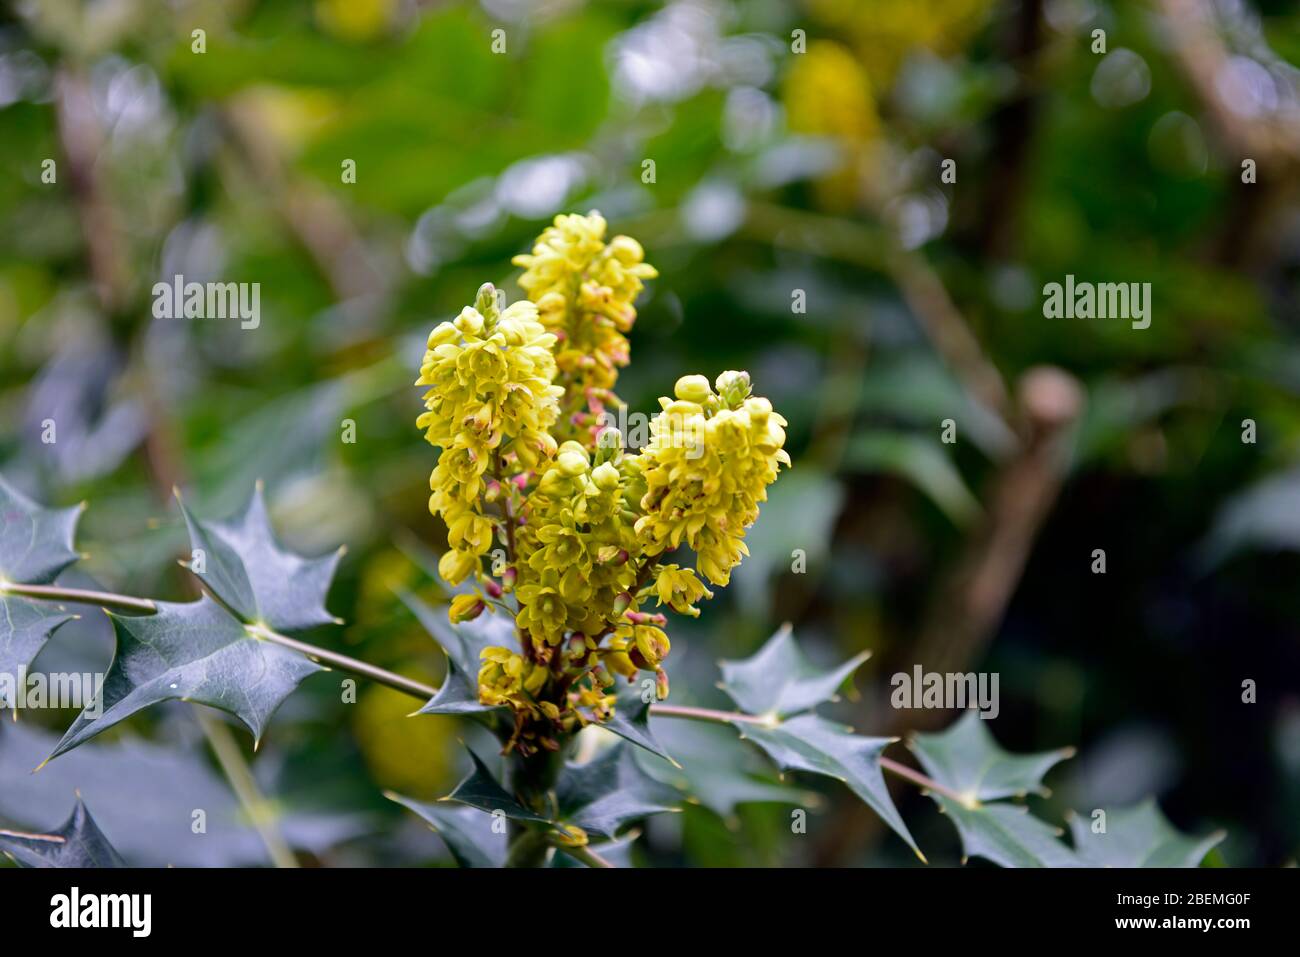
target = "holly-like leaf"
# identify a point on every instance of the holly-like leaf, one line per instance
(610, 792)
(967, 759)
(244, 565)
(35, 542)
(467, 831)
(779, 680)
(480, 789)
(811, 743)
(35, 545)
(462, 645)
(193, 652)
(1006, 834)
(24, 628)
(971, 768)
(78, 843)
(1139, 836)
(631, 721)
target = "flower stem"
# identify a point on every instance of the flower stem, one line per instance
(584, 854)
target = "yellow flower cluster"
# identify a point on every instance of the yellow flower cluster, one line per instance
(584, 289)
(710, 460)
(490, 394)
(513, 402)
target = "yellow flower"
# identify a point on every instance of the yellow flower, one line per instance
(584, 289)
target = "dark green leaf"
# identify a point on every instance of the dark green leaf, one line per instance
(462, 644)
(1139, 836)
(811, 743)
(244, 566)
(965, 758)
(610, 792)
(467, 831)
(779, 680)
(194, 652)
(35, 542)
(79, 843)
(631, 721)
(481, 790)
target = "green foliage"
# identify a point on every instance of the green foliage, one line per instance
(78, 843)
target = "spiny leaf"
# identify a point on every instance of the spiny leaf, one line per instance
(811, 743)
(467, 832)
(967, 759)
(193, 652)
(631, 721)
(610, 792)
(35, 545)
(462, 645)
(24, 628)
(35, 542)
(481, 790)
(1006, 834)
(80, 844)
(779, 680)
(245, 566)
(1139, 836)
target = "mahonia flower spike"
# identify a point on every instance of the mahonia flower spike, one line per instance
(517, 400)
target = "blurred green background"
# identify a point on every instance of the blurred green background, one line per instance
(803, 230)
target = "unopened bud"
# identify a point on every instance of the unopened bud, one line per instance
(734, 388)
(492, 588)
(692, 388)
(661, 684)
(622, 603)
(508, 580)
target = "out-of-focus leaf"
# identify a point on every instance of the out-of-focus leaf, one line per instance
(145, 796)
(799, 514)
(811, 743)
(246, 568)
(1138, 836)
(1264, 516)
(779, 680)
(192, 652)
(919, 391)
(467, 831)
(921, 461)
(35, 542)
(610, 792)
(79, 843)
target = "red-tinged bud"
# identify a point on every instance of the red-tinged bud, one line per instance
(521, 480)
(492, 491)
(508, 580)
(623, 601)
(643, 618)
(492, 588)
(661, 684)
